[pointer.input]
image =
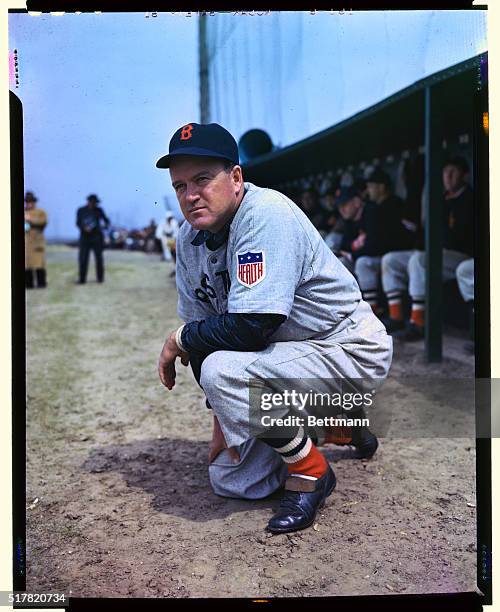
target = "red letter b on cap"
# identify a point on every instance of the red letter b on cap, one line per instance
(186, 132)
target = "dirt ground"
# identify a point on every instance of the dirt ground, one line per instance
(119, 503)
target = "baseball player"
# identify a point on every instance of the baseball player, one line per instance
(350, 206)
(166, 233)
(263, 298)
(381, 231)
(406, 269)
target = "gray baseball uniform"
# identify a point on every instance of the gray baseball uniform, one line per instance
(465, 279)
(367, 271)
(395, 277)
(417, 270)
(402, 270)
(274, 261)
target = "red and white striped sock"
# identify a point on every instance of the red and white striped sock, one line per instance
(370, 296)
(302, 457)
(395, 301)
(418, 312)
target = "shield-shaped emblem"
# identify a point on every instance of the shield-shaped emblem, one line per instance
(251, 268)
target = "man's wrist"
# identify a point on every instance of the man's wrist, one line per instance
(178, 339)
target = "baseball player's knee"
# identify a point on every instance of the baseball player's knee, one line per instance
(417, 261)
(390, 262)
(215, 370)
(461, 271)
(465, 270)
(361, 265)
(465, 279)
(259, 472)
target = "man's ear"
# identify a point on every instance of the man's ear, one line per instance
(238, 175)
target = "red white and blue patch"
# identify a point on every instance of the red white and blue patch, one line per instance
(251, 268)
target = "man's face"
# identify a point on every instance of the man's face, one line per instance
(329, 201)
(307, 201)
(207, 194)
(29, 204)
(453, 178)
(376, 191)
(91, 203)
(349, 209)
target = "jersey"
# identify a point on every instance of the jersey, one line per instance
(384, 229)
(458, 222)
(274, 261)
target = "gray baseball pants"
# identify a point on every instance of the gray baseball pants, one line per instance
(402, 270)
(359, 348)
(395, 271)
(367, 271)
(416, 270)
(465, 279)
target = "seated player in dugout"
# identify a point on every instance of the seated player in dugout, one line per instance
(334, 223)
(310, 204)
(406, 270)
(381, 229)
(262, 297)
(350, 205)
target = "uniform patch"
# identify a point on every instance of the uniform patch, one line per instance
(251, 268)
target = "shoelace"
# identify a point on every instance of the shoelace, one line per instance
(290, 500)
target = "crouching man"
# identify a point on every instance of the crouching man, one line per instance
(262, 297)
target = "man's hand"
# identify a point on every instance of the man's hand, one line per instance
(166, 363)
(332, 221)
(218, 444)
(359, 243)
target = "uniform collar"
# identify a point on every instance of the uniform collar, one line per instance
(212, 241)
(457, 194)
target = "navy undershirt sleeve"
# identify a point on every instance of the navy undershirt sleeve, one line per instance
(231, 332)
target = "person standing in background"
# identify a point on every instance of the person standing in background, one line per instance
(35, 220)
(88, 219)
(166, 232)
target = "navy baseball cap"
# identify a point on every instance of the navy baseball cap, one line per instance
(344, 194)
(378, 176)
(207, 140)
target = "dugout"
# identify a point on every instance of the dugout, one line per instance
(409, 134)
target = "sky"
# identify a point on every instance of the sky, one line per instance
(102, 94)
(315, 70)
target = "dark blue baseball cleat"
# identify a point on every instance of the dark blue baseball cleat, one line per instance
(392, 325)
(411, 333)
(301, 501)
(365, 442)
